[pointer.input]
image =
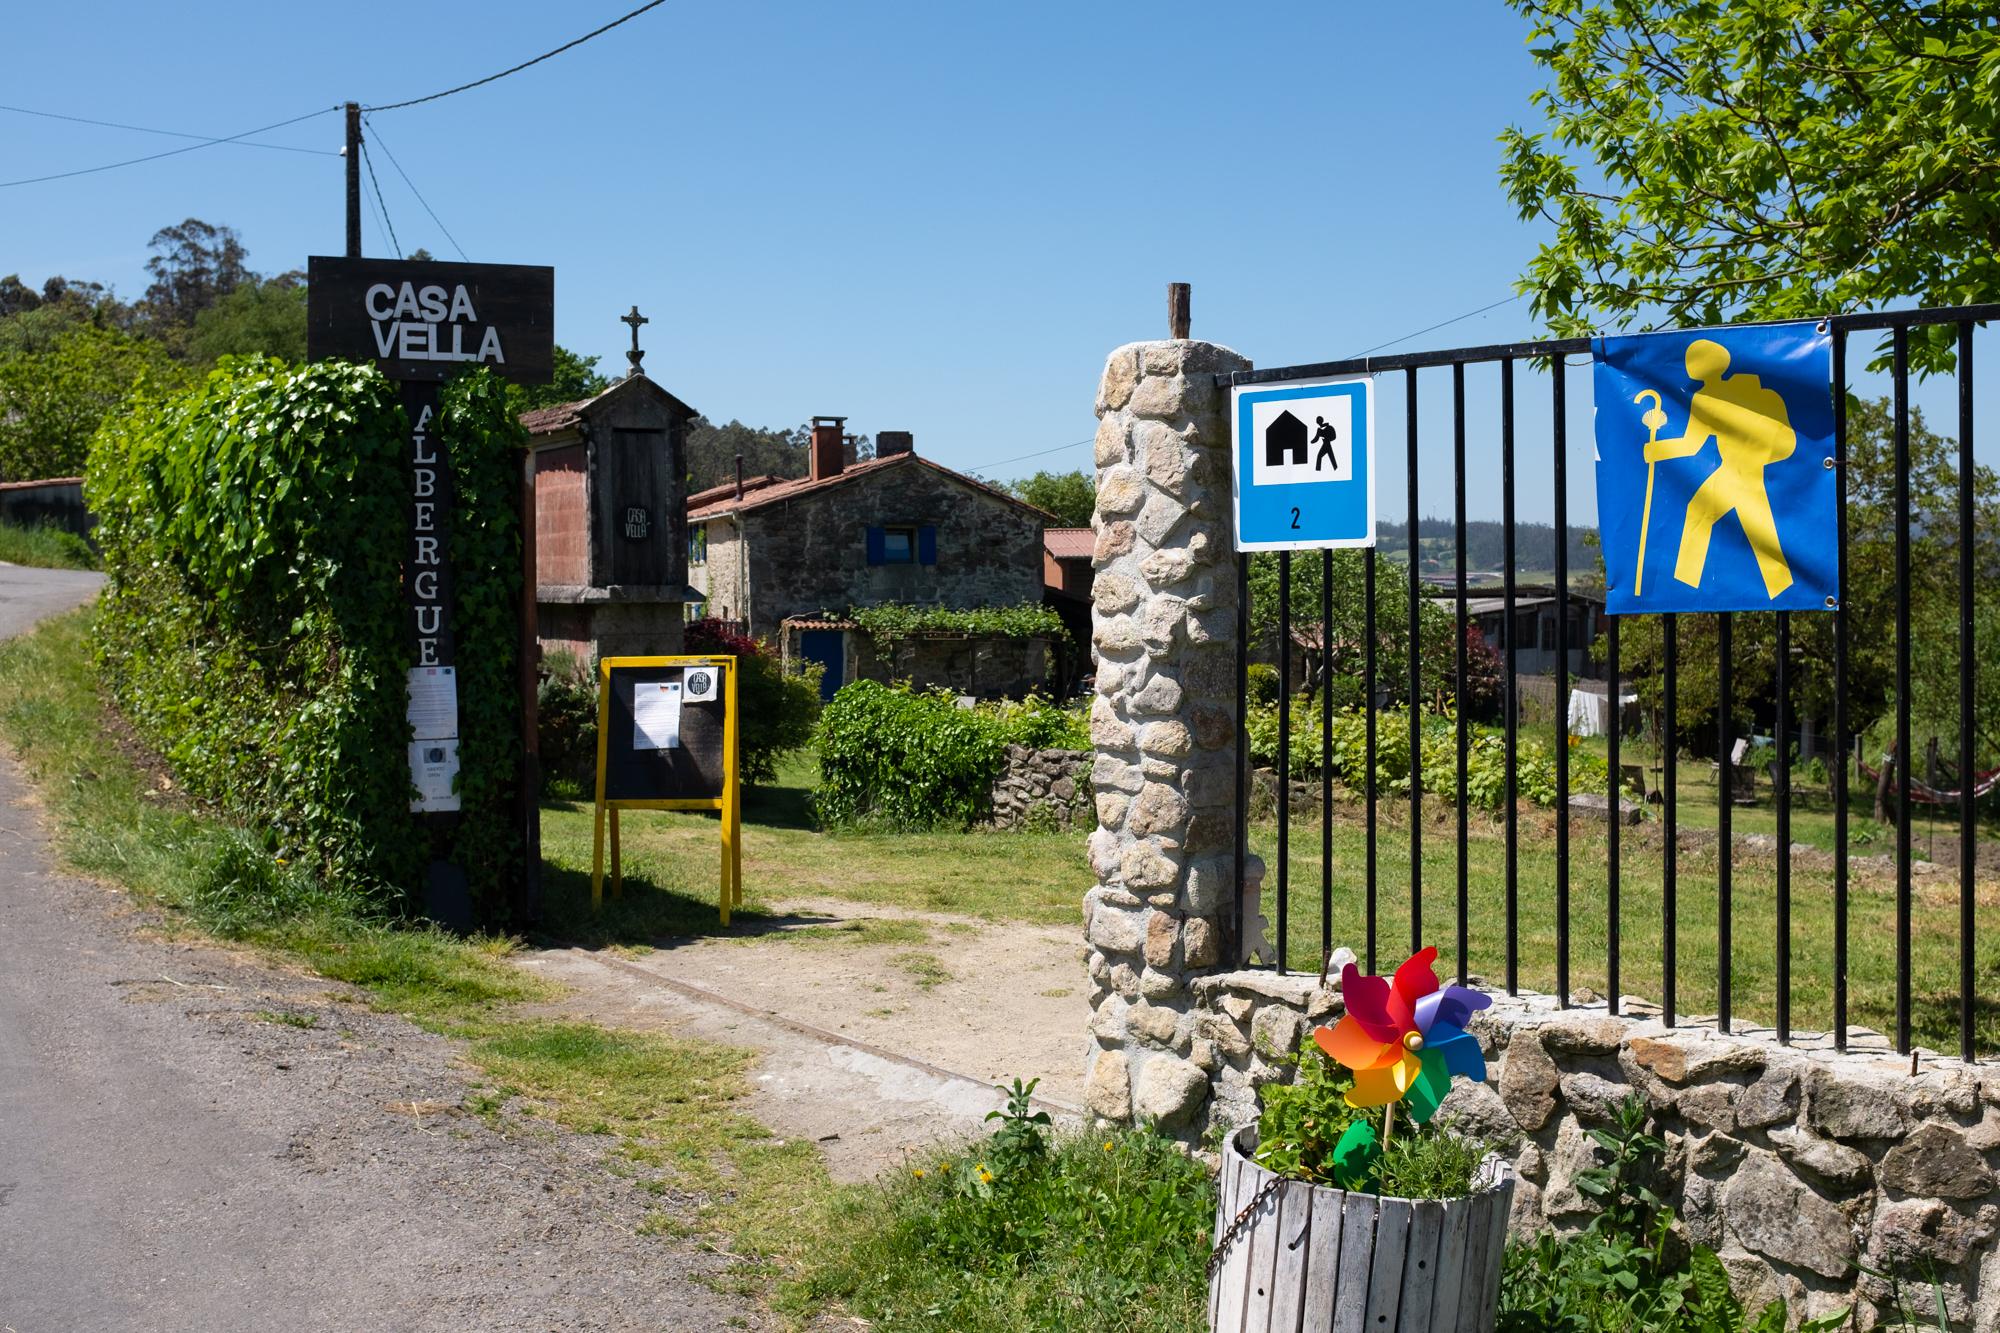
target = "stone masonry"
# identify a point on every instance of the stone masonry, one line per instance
(1163, 726)
(1797, 1164)
(1043, 789)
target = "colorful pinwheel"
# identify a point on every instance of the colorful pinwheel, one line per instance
(1405, 1039)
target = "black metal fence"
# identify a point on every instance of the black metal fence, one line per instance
(1828, 959)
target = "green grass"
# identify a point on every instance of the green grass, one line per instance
(1102, 1233)
(671, 864)
(45, 547)
(1871, 925)
(1812, 811)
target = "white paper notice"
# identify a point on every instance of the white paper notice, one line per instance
(433, 703)
(433, 768)
(656, 715)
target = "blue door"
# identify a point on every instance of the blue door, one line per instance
(828, 647)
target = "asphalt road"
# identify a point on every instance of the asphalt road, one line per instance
(172, 1158)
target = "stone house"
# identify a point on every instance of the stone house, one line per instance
(784, 557)
(610, 485)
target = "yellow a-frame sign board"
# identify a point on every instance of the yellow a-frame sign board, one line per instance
(667, 740)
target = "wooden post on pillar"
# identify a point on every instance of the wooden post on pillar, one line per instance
(1180, 297)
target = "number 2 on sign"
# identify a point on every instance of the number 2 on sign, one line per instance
(1295, 518)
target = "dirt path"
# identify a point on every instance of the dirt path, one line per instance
(192, 1140)
(883, 1029)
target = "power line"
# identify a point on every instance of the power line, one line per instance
(381, 204)
(171, 152)
(1435, 327)
(172, 134)
(377, 135)
(1039, 454)
(516, 69)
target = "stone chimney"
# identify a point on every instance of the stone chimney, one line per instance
(829, 446)
(888, 443)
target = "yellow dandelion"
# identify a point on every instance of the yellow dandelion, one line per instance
(919, 1173)
(1107, 1145)
(944, 1166)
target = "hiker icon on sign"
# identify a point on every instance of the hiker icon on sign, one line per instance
(1324, 438)
(1743, 495)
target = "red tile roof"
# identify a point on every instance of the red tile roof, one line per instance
(561, 416)
(548, 420)
(727, 491)
(720, 500)
(1069, 543)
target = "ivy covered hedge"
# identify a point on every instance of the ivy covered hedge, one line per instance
(1485, 761)
(893, 621)
(253, 626)
(889, 754)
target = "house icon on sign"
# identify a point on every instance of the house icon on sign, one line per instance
(1285, 436)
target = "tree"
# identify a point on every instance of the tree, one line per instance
(1345, 643)
(194, 265)
(267, 316)
(1070, 496)
(16, 296)
(1707, 162)
(574, 380)
(36, 323)
(712, 451)
(52, 401)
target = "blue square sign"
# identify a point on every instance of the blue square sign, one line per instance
(1302, 464)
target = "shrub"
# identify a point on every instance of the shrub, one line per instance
(915, 759)
(1261, 681)
(252, 630)
(775, 712)
(45, 546)
(1029, 1231)
(1485, 760)
(566, 726)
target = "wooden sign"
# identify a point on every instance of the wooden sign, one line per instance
(422, 320)
(666, 740)
(419, 322)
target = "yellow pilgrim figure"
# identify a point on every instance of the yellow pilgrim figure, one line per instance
(1752, 431)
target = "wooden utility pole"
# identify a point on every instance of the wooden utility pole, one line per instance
(1180, 299)
(353, 155)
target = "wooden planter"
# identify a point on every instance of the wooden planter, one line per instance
(1318, 1260)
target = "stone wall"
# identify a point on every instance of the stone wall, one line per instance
(1794, 1163)
(1042, 789)
(1163, 726)
(985, 667)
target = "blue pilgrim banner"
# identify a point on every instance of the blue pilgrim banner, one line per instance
(1715, 485)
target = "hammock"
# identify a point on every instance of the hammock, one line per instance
(1984, 784)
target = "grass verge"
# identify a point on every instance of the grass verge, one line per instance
(45, 547)
(674, 1105)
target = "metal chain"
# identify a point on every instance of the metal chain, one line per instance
(1230, 1232)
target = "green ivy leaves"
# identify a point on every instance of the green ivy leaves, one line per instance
(253, 628)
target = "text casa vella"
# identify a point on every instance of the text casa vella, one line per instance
(429, 323)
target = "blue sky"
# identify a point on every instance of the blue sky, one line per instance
(929, 217)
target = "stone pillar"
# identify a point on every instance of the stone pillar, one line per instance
(1163, 726)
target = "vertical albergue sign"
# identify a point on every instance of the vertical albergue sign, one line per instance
(420, 322)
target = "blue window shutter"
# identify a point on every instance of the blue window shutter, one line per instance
(927, 545)
(875, 555)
